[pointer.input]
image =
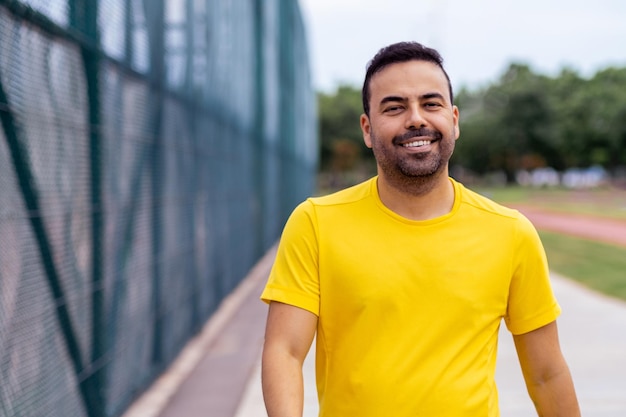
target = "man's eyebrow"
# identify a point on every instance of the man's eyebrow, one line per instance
(393, 99)
(428, 96)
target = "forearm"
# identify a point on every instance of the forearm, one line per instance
(288, 336)
(282, 382)
(555, 396)
(546, 373)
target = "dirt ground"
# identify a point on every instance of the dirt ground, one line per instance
(589, 227)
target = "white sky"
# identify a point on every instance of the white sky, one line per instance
(477, 38)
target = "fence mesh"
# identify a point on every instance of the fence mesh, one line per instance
(150, 152)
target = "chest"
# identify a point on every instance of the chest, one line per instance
(416, 272)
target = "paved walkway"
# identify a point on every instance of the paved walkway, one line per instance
(218, 374)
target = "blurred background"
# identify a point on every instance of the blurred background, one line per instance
(151, 151)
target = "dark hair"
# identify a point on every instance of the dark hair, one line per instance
(395, 53)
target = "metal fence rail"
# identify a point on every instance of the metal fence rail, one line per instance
(150, 152)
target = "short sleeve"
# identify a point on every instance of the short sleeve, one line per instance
(532, 303)
(294, 278)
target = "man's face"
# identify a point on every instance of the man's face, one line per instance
(412, 126)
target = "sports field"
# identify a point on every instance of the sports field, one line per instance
(607, 202)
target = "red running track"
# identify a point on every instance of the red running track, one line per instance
(589, 227)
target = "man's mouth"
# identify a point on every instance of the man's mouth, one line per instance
(417, 138)
(418, 143)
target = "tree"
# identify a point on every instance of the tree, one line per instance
(339, 114)
(525, 120)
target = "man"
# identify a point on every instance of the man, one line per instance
(404, 279)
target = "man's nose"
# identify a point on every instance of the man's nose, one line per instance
(415, 118)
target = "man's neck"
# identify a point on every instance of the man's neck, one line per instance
(419, 199)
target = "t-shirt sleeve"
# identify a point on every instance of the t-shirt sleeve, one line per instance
(294, 278)
(532, 303)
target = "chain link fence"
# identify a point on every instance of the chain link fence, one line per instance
(150, 152)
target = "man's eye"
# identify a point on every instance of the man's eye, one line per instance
(393, 109)
(432, 104)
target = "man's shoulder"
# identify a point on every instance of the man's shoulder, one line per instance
(334, 210)
(350, 195)
(484, 204)
(483, 212)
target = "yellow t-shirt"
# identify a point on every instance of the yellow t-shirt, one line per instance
(409, 311)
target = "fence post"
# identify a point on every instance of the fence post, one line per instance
(259, 123)
(287, 106)
(155, 14)
(84, 18)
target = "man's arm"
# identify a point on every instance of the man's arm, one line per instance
(288, 336)
(547, 376)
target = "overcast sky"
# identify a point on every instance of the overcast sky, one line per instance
(477, 38)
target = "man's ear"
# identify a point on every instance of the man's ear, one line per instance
(457, 129)
(366, 128)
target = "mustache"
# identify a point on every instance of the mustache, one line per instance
(422, 131)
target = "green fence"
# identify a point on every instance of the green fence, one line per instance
(150, 152)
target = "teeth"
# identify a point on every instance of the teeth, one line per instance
(416, 144)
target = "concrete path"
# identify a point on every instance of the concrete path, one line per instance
(593, 338)
(592, 331)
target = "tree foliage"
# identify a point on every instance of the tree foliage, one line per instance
(526, 120)
(339, 114)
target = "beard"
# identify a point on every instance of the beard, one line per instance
(414, 173)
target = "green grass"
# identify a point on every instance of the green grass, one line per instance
(599, 266)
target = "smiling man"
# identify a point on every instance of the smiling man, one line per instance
(403, 280)
(411, 126)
